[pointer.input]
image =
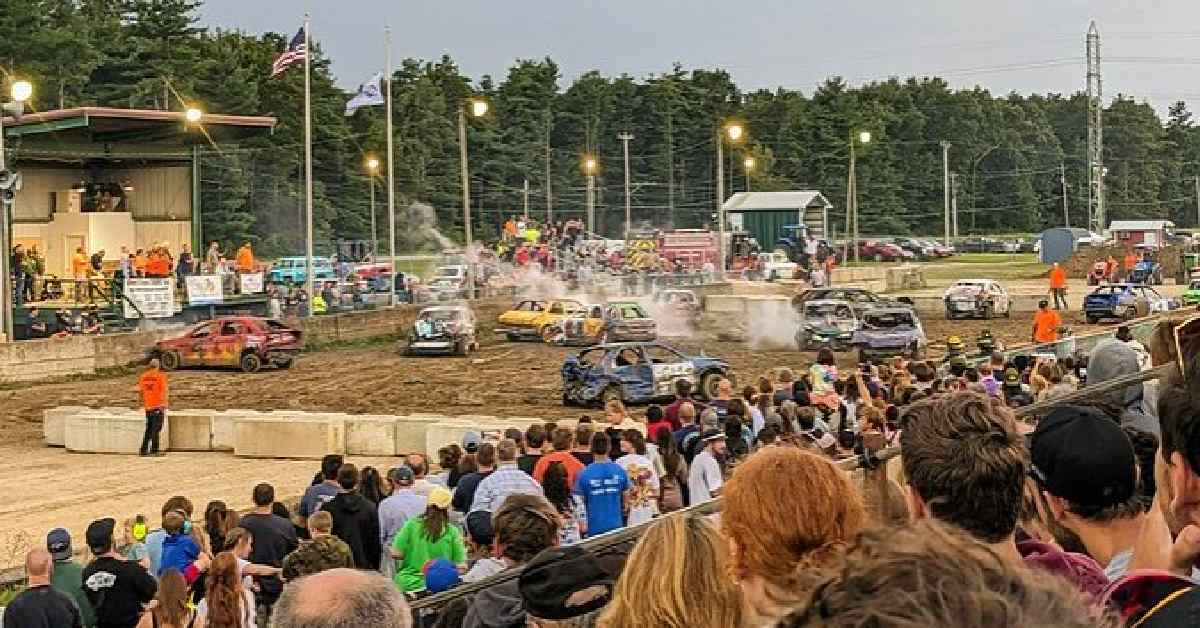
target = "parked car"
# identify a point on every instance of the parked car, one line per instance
(889, 331)
(826, 324)
(296, 269)
(1147, 271)
(883, 252)
(860, 298)
(637, 372)
(245, 342)
(922, 250)
(616, 321)
(1122, 301)
(442, 330)
(980, 245)
(529, 319)
(976, 298)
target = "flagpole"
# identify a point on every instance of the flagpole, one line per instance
(391, 192)
(308, 175)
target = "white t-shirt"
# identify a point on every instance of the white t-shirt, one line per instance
(644, 483)
(704, 477)
(248, 610)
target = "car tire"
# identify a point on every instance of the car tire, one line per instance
(612, 393)
(708, 385)
(1008, 311)
(1091, 320)
(286, 363)
(1130, 312)
(879, 257)
(250, 363)
(169, 360)
(511, 337)
(460, 348)
(548, 334)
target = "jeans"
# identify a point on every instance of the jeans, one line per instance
(1060, 296)
(154, 425)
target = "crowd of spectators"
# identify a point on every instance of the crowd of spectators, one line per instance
(1082, 512)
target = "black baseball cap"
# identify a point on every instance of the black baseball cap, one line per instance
(564, 582)
(479, 527)
(58, 543)
(1081, 455)
(100, 534)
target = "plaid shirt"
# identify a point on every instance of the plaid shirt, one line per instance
(506, 480)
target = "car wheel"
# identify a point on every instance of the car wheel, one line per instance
(801, 342)
(709, 384)
(169, 360)
(286, 363)
(1091, 320)
(511, 337)
(612, 393)
(1008, 311)
(918, 352)
(1130, 312)
(460, 348)
(879, 257)
(250, 363)
(548, 333)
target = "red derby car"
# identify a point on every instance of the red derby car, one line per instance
(246, 342)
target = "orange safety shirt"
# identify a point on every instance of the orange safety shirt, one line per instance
(1045, 325)
(80, 265)
(153, 386)
(245, 259)
(1058, 278)
(1130, 261)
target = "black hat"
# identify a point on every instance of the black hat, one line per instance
(1081, 455)
(58, 543)
(100, 534)
(564, 582)
(479, 527)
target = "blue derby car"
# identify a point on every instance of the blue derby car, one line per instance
(637, 372)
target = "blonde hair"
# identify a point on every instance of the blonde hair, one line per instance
(320, 521)
(614, 406)
(679, 560)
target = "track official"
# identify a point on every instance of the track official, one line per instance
(153, 387)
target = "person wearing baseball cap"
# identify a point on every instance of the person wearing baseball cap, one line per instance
(403, 504)
(67, 576)
(562, 583)
(704, 476)
(471, 441)
(116, 588)
(1086, 467)
(424, 538)
(1045, 324)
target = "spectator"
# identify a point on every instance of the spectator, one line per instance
(506, 480)
(562, 439)
(1091, 490)
(41, 605)
(448, 459)
(564, 587)
(342, 597)
(535, 438)
(274, 538)
(704, 472)
(676, 576)
(525, 525)
(324, 551)
(424, 538)
(170, 607)
(656, 422)
(116, 588)
(1015, 393)
(571, 512)
(673, 493)
(683, 394)
(154, 540)
(965, 465)
(601, 486)
(67, 574)
(355, 519)
(724, 396)
(218, 521)
(226, 603)
(788, 514)
(617, 420)
(480, 539)
(932, 575)
(1112, 359)
(420, 469)
(395, 511)
(687, 420)
(373, 487)
(179, 549)
(325, 489)
(583, 442)
(644, 483)
(736, 446)
(464, 495)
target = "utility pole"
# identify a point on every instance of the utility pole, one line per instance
(720, 204)
(1198, 200)
(549, 202)
(954, 204)
(670, 169)
(625, 137)
(526, 195)
(1062, 176)
(946, 186)
(1095, 132)
(591, 204)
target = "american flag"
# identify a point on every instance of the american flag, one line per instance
(296, 51)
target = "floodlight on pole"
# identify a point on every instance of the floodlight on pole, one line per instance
(864, 137)
(193, 115)
(21, 91)
(748, 163)
(479, 107)
(372, 165)
(734, 131)
(589, 165)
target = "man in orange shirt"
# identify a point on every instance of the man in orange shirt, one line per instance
(1130, 262)
(561, 439)
(1058, 285)
(139, 263)
(245, 259)
(153, 387)
(1045, 324)
(79, 268)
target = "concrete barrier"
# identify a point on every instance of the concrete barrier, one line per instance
(370, 435)
(103, 432)
(191, 430)
(54, 423)
(725, 303)
(411, 434)
(276, 437)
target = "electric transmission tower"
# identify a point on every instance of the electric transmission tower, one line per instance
(1095, 133)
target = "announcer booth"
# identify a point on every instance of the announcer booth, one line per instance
(102, 179)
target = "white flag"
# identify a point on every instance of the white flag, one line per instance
(368, 95)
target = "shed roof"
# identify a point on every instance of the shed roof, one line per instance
(1140, 225)
(764, 201)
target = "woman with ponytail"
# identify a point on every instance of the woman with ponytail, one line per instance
(788, 515)
(226, 604)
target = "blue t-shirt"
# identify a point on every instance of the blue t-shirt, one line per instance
(601, 485)
(154, 547)
(178, 551)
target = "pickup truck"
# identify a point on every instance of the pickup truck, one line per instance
(528, 320)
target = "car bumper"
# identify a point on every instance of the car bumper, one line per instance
(431, 347)
(512, 330)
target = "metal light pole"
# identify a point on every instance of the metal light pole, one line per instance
(478, 108)
(589, 168)
(625, 137)
(748, 164)
(852, 193)
(20, 91)
(734, 131)
(372, 168)
(946, 186)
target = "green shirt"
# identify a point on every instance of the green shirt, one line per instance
(68, 578)
(412, 541)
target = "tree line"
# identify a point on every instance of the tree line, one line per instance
(1007, 151)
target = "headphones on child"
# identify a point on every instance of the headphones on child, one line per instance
(187, 523)
(139, 528)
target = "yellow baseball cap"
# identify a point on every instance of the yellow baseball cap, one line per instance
(440, 497)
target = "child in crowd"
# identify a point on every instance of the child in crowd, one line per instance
(179, 548)
(132, 544)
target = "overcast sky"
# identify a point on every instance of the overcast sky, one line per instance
(1022, 45)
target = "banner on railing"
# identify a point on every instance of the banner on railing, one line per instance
(204, 290)
(154, 298)
(252, 283)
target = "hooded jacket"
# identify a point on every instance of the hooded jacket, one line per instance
(1112, 359)
(317, 555)
(499, 606)
(356, 522)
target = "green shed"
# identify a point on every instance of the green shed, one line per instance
(764, 214)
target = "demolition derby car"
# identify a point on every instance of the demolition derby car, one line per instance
(890, 331)
(1123, 301)
(442, 330)
(860, 299)
(246, 342)
(976, 298)
(616, 321)
(826, 323)
(682, 305)
(528, 320)
(637, 372)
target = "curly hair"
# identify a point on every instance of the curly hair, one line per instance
(788, 510)
(524, 526)
(224, 592)
(554, 485)
(929, 574)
